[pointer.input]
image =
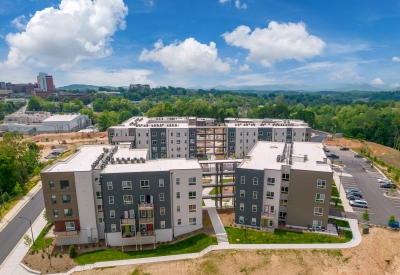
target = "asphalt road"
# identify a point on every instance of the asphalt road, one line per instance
(16, 228)
(320, 136)
(380, 207)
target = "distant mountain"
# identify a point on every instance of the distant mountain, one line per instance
(84, 87)
(363, 87)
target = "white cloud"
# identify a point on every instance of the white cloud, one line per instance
(377, 81)
(395, 85)
(275, 43)
(73, 31)
(244, 68)
(20, 22)
(239, 6)
(187, 57)
(149, 2)
(231, 61)
(346, 75)
(396, 59)
(347, 48)
(224, 1)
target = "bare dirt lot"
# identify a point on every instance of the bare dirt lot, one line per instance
(367, 258)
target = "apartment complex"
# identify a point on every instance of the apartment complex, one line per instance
(115, 193)
(288, 182)
(190, 137)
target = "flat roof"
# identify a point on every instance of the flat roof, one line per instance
(264, 156)
(61, 118)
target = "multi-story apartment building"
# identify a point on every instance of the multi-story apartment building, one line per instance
(244, 133)
(116, 193)
(288, 182)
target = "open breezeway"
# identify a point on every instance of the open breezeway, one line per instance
(355, 177)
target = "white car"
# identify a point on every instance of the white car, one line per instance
(384, 180)
(359, 203)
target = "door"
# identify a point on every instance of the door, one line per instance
(266, 222)
(266, 208)
(150, 227)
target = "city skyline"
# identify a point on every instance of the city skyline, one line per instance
(204, 43)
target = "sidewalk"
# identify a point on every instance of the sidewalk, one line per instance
(24, 200)
(11, 265)
(342, 193)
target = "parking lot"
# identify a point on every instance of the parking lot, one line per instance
(380, 207)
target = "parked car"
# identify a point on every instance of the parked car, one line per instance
(388, 185)
(50, 156)
(326, 149)
(384, 180)
(354, 192)
(55, 153)
(344, 149)
(332, 156)
(358, 156)
(351, 197)
(359, 203)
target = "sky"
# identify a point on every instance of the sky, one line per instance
(201, 43)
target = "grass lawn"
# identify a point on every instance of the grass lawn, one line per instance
(334, 200)
(214, 192)
(341, 223)
(334, 192)
(39, 244)
(191, 245)
(227, 180)
(203, 203)
(250, 236)
(340, 207)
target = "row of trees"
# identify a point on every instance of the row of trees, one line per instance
(65, 106)
(9, 107)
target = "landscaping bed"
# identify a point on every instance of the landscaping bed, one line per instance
(341, 223)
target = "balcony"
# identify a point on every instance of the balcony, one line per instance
(268, 215)
(146, 206)
(128, 221)
(146, 220)
(128, 235)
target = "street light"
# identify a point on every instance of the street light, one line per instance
(30, 224)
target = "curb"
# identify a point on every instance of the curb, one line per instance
(29, 269)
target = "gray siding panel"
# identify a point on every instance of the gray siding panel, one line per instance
(157, 153)
(264, 135)
(230, 144)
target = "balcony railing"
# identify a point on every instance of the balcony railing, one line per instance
(146, 206)
(146, 220)
(128, 235)
(268, 215)
(128, 221)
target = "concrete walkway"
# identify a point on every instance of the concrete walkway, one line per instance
(354, 242)
(219, 229)
(15, 210)
(342, 194)
(11, 265)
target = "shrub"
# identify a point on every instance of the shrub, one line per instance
(86, 246)
(72, 252)
(60, 255)
(42, 256)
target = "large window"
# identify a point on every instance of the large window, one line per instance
(178, 208)
(55, 213)
(162, 224)
(253, 221)
(109, 185)
(241, 207)
(113, 228)
(318, 211)
(255, 181)
(142, 198)
(192, 221)
(242, 180)
(161, 196)
(321, 184)
(126, 185)
(179, 221)
(254, 208)
(192, 208)
(319, 197)
(98, 194)
(192, 194)
(283, 202)
(241, 219)
(51, 183)
(66, 198)
(271, 181)
(144, 184)
(111, 200)
(161, 183)
(162, 210)
(68, 212)
(64, 184)
(53, 199)
(100, 208)
(242, 193)
(285, 177)
(128, 199)
(70, 226)
(255, 194)
(112, 213)
(192, 181)
(284, 189)
(178, 195)
(270, 195)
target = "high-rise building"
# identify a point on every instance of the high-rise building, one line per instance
(45, 82)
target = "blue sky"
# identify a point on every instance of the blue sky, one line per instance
(201, 42)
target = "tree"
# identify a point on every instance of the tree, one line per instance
(45, 215)
(124, 115)
(365, 216)
(6, 197)
(392, 219)
(66, 100)
(34, 104)
(27, 241)
(72, 252)
(17, 189)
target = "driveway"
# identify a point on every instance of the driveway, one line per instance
(318, 136)
(380, 207)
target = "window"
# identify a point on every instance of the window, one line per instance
(161, 183)
(192, 155)
(109, 185)
(247, 133)
(110, 200)
(138, 134)
(178, 134)
(154, 134)
(178, 149)
(101, 220)
(321, 184)
(163, 141)
(163, 134)
(128, 199)
(241, 219)
(316, 223)
(154, 142)
(242, 180)
(192, 208)
(191, 141)
(126, 185)
(112, 213)
(192, 221)
(285, 176)
(172, 142)
(192, 194)
(178, 141)
(51, 183)
(53, 199)
(240, 141)
(178, 208)
(320, 197)
(66, 198)
(272, 209)
(283, 202)
(147, 134)
(284, 189)
(232, 140)
(282, 215)
(143, 213)
(55, 213)
(241, 207)
(64, 184)
(191, 148)
(162, 210)
(254, 141)
(255, 181)
(68, 212)
(98, 194)
(161, 196)
(142, 198)
(255, 194)
(232, 148)
(70, 226)
(253, 221)
(254, 208)
(154, 149)
(162, 224)
(114, 228)
(144, 184)
(163, 149)
(271, 181)
(242, 193)
(177, 180)
(268, 134)
(179, 221)
(260, 133)
(131, 134)
(270, 195)
(192, 134)
(100, 208)
(232, 134)
(318, 211)
(178, 195)
(192, 181)
(131, 214)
